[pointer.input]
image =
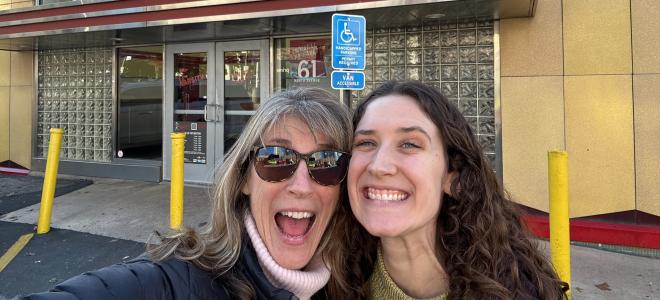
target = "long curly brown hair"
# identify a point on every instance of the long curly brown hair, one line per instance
(484, 247)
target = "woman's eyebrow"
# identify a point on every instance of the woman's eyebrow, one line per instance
(278, 141)
(414, 129)
(364, 132)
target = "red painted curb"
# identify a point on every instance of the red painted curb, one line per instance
(600, 232)
(14, 171)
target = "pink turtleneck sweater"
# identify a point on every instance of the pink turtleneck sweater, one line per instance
(302, 283)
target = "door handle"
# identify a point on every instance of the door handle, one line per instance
(205, 113)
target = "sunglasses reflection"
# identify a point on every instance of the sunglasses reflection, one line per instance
(277, 163)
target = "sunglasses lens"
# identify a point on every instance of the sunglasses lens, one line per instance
(328, 167)
(274, 163)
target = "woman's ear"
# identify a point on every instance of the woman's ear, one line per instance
(447, 181)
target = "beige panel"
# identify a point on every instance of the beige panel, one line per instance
(21, 68)
(599, 141)
(514, 8)
(5, 65)
(4, 123)
(533, 46)
(22, 3)
(532, 124)
(20, 131)
(645, 38)
(5, 6)
(597, 37)
(647, 142)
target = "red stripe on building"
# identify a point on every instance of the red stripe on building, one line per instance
(599, 232)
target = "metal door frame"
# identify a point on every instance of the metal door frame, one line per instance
(264, 82)
(193, 173)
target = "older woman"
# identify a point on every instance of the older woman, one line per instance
(419, 182)
(276, 207)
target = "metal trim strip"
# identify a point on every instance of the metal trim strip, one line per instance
(75, 16)
(73, 30)
(35, 102)
(51, 6)
(499, 168)
(194, 4)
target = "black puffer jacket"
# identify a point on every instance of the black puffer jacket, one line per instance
(170, 279)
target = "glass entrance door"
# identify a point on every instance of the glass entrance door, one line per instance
(242, 84)
(211, 91)
(190, 102)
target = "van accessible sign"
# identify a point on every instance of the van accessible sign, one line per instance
(348, 51)
(347, 80)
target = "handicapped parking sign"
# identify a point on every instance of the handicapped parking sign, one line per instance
(348, 42)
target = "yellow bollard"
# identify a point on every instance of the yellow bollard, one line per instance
(560, 240)
(176, 184)
(50, 180)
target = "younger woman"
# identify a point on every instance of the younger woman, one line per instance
(418, 181)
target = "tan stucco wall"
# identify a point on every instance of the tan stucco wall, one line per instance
(533, 110)
(16, 99)
(596, 37)
(599, 142)
(646, 90)
(16, 107)
(604, 113)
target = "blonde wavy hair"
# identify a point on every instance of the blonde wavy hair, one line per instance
(216, 246)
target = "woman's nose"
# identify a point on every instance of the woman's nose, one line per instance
(382, 163)
(300, 183)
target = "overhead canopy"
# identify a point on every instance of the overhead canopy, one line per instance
(105, 23)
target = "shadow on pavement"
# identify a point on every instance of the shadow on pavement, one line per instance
(51, 258)
(17, 192)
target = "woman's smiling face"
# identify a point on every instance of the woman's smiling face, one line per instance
(291, 216)
(398, 170)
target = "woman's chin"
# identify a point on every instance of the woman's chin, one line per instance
(294, 253)
(292, 260)
(384, 229)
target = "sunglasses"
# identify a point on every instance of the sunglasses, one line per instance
(277, 163)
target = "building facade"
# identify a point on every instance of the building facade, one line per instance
(529, 75)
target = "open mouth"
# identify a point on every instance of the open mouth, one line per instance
(385, 195)
(294, 225)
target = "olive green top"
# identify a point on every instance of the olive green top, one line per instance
(381, 285)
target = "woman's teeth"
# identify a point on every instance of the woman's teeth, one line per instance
(386, 195)
(297, 214)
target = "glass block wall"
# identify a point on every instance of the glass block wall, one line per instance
(457, 58)
(75, 93)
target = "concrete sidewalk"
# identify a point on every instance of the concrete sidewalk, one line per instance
(131, 210)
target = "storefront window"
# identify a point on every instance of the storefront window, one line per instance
(303, 62)
(140, 99)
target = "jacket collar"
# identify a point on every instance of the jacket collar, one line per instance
(254, 274)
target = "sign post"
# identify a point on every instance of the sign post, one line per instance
(348, 52)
